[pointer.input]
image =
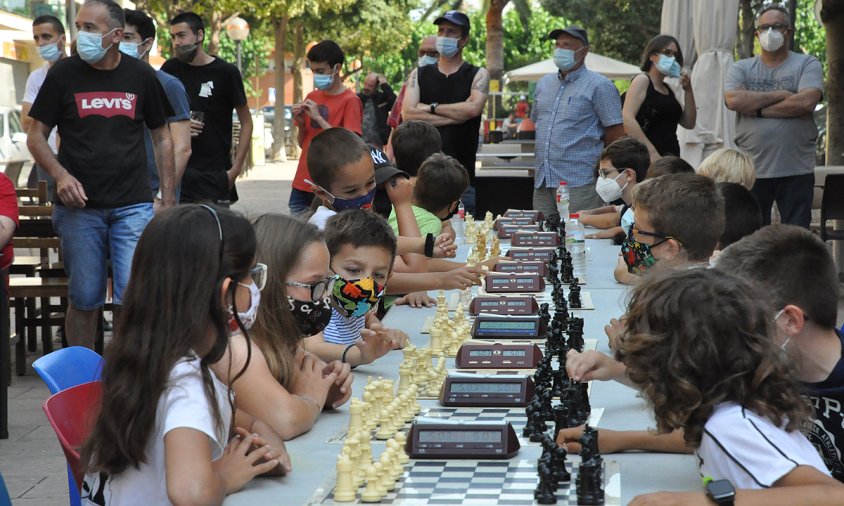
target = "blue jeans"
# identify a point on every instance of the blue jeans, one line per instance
(300, 201)
(793, 195)
(469, 200)
(89, 238)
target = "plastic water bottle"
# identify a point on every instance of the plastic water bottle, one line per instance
(458, 223)
(576, 244)
(563, 200)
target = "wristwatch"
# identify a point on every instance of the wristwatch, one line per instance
(721, 492)
(434, 107)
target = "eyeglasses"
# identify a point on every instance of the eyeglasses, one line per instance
(778, 27)
(318, 289)
(664, 238)
(666, 52)
(433, 54)
(259, 275)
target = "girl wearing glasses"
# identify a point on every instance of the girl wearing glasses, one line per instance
(651, 111)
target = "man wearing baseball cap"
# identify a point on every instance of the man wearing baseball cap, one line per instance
(451, 96)
(577, 113)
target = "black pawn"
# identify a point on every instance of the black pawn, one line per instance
(544, 493)
(559, 457)
(538, 427)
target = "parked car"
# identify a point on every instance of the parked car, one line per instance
(12, 137)
(269, 116)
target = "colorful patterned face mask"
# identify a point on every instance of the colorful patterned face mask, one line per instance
(637, 255)
(355, 298)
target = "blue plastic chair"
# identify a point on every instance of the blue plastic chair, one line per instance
(5, 500)
(63, 369)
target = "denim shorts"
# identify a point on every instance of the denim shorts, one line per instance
(92, 237)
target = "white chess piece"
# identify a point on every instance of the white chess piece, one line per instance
(372, 493)
(401, 441)
(345, 489)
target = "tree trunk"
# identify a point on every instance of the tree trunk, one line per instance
(792, 9)
(279, 137)
(296, 71)
(748, 28)
(495, 52)
(215, 26)
(832, 15)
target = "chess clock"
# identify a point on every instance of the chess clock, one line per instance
(540, 268)
(514, 283)
(500, 222)
(535, 239)
(474, 390)
(507, 231)
(531, 254)
(465, 440)
(498, 356)
(524, 213)
(497, 327)
(524, 305)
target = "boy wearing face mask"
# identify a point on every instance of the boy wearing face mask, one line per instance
(215, 88)
(774, 95)
(331, 104)
(362, 248)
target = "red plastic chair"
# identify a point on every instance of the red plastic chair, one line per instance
(72, 413)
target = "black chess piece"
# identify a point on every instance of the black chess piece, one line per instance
(537, 426)
(557, 387)
(574, 295)
(589, 487)
(561, 415)
(544, 493)
(558, 456)
(589, 445)
(530, 409)
(585, 406)
(547, 405)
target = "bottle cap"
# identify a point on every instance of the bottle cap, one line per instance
(563, 183)
(574, 216)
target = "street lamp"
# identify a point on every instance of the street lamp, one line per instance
(238, 30)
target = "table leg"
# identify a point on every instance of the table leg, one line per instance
(20, 331)
(5, 357)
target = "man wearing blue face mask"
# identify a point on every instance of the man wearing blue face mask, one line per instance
(774, 95)
(577, 113)
(49, 37)
(451, 96)
(100, 102)
(138, 38)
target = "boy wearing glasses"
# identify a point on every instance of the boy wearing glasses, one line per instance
(774, 95)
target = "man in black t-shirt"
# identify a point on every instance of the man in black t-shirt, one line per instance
(215, 88)
(100, 103)
(451, 94)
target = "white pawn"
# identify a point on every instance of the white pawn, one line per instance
(401, 441)
(387, 474)
(372, 493)
(345, 489)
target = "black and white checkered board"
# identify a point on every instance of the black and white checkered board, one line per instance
(481, 483)
(516, 416)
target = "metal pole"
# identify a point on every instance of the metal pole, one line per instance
(71, 19)
(239, 59)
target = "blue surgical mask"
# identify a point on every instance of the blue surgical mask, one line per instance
(668, 66)
(131, 49)
(323, 81)
(364, 202)
(90, 46)
(427, 60)
(564, 58)
(447, 46)
(50, 52)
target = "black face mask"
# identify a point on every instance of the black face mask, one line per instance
(451, 214)
(311, 317)
(187, 52)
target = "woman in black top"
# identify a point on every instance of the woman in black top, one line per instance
(651, 111)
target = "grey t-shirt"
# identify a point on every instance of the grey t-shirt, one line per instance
(779, 146)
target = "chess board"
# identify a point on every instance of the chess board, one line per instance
(516, 416)
(481, 483)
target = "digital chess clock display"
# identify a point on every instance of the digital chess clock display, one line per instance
(539, 254)
(540, 268)
(459, 436)
(504, 305)
(519, 325)
(486, 327)
(507, 231)
(523, 213)
(509, 283)
(468, 440)
(514, 222)
(486, 391)
(535, 239)
(498, 356)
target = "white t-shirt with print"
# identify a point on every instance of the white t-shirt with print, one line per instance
(182, 405)
(750, 451)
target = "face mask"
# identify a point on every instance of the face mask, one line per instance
(637, 255)
(131, 49)
(427, 60)
(564, 58)
(787, 339)
(771, 40)
(247, 318)
(364, 202)
(627, 220)
(608, 189)
(355, 298)
(90, 46)
(311, 317)
(450, 214)
(668, 66)
(322, 81)
(447, 46)
(187, 52)
(50, 52)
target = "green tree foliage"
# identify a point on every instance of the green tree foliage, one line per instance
(617, 28)
(809, 34)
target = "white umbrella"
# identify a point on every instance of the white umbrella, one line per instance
(677, 21)
(604, 65)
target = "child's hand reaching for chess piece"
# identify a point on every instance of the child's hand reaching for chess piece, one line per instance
(614, 331)
(593, 365)
(377, 341)
(416, 299)
(616, 441)
(458, 279)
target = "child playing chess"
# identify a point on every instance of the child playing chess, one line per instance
(165, 420)
(699, 345)
(362, 249)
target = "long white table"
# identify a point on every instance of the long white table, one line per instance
(314, 458)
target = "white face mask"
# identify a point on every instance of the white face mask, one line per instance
(247, 318)
(608, 189)
(771, 40)
(627, 220)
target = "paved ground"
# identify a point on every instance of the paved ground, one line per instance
(31, 460)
